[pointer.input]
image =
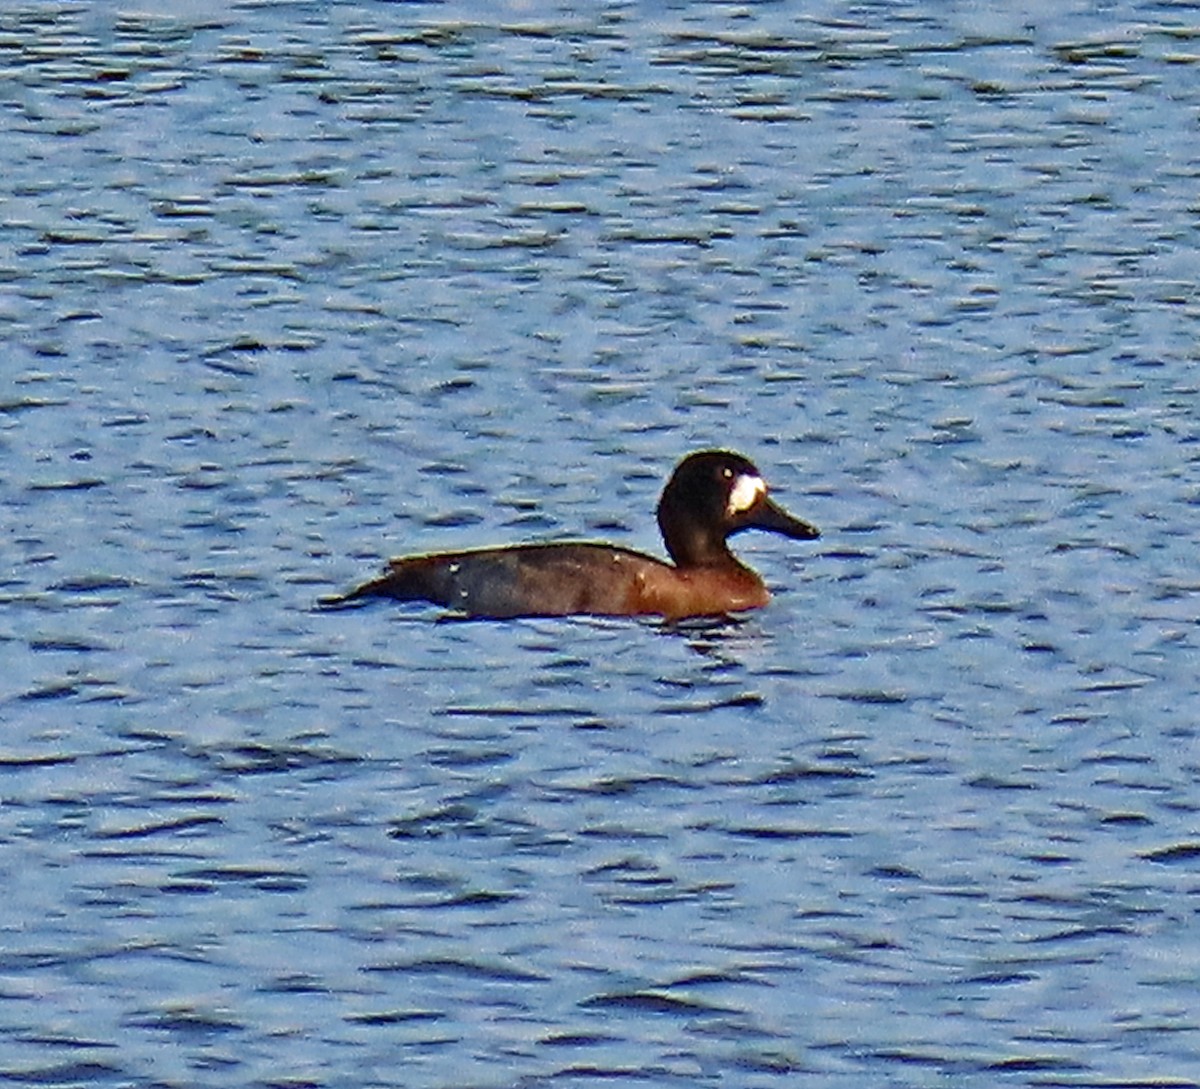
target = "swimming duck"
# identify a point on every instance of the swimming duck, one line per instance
(711, 495)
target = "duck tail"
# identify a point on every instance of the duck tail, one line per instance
(415, 579)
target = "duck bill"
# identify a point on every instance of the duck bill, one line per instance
(770, 516)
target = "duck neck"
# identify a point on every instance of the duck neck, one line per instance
(690, 545)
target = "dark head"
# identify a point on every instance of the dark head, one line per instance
(711, 496)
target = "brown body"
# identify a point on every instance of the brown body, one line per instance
(567, 580)
(711, 496)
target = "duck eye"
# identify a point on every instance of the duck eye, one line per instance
(727, 473)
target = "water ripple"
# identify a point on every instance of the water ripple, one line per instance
(284, 295)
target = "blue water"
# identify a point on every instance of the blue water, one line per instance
(287, 288)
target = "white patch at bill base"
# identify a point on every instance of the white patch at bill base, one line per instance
(746, 491)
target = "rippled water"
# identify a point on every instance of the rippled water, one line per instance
(286, 288)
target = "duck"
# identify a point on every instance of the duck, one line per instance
(711, 496)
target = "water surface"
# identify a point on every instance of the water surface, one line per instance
(288, 288)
